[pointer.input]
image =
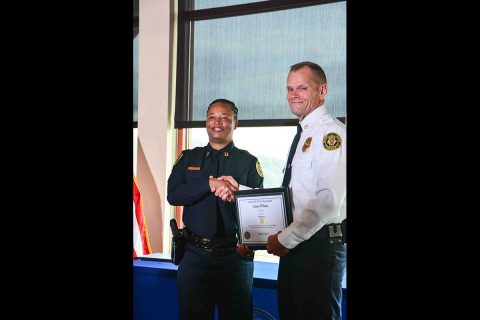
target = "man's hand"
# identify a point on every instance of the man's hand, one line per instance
(275, 247)
(222, 188)
(227, 195)
(235, 184)
(216, 184)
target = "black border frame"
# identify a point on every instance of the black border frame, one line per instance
(288, 217)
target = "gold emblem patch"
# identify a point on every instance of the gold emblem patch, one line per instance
(179, 157)
(259, 169)
(307, 144)
(332, 141)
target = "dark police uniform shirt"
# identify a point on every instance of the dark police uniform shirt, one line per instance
(188, 186)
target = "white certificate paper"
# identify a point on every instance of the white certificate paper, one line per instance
(260, 216)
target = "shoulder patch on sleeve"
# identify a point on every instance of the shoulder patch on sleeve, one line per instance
(259, 169)
(179, 157)
(332, 141)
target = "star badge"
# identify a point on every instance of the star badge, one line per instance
(307, 144)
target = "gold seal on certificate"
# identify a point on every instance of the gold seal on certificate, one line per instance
(260, 213)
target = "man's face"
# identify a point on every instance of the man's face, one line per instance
(303, 93)
(220, 123)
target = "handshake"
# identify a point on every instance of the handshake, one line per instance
(224, 187)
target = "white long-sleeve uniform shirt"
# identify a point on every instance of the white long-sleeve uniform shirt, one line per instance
(318, 180)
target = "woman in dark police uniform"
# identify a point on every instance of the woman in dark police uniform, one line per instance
(214, 269)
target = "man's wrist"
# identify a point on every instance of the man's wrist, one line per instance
(210, 181)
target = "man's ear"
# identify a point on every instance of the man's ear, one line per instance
(235, 124)
(323, 89)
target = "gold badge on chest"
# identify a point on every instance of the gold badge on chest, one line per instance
(307, 144)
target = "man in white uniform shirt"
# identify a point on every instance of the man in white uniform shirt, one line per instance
(311, 249)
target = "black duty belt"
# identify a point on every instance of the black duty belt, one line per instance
(215, 246)
(333, 232)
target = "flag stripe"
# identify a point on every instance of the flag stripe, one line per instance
(137, 237)
(141, 244)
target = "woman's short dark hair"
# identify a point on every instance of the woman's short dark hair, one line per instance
(227, 102)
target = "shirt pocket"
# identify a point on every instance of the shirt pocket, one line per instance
(303, 175)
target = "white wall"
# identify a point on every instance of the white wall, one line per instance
(155, 125)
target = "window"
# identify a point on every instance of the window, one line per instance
(243, 53)
(207, 4)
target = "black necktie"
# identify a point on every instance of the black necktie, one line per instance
(288, 169)
(220, 232)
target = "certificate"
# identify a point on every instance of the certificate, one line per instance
(260, 213)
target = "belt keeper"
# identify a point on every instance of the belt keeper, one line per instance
(335, 234)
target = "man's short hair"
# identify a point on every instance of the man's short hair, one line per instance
(316, 69)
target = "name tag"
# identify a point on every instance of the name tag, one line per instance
(193, 168)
